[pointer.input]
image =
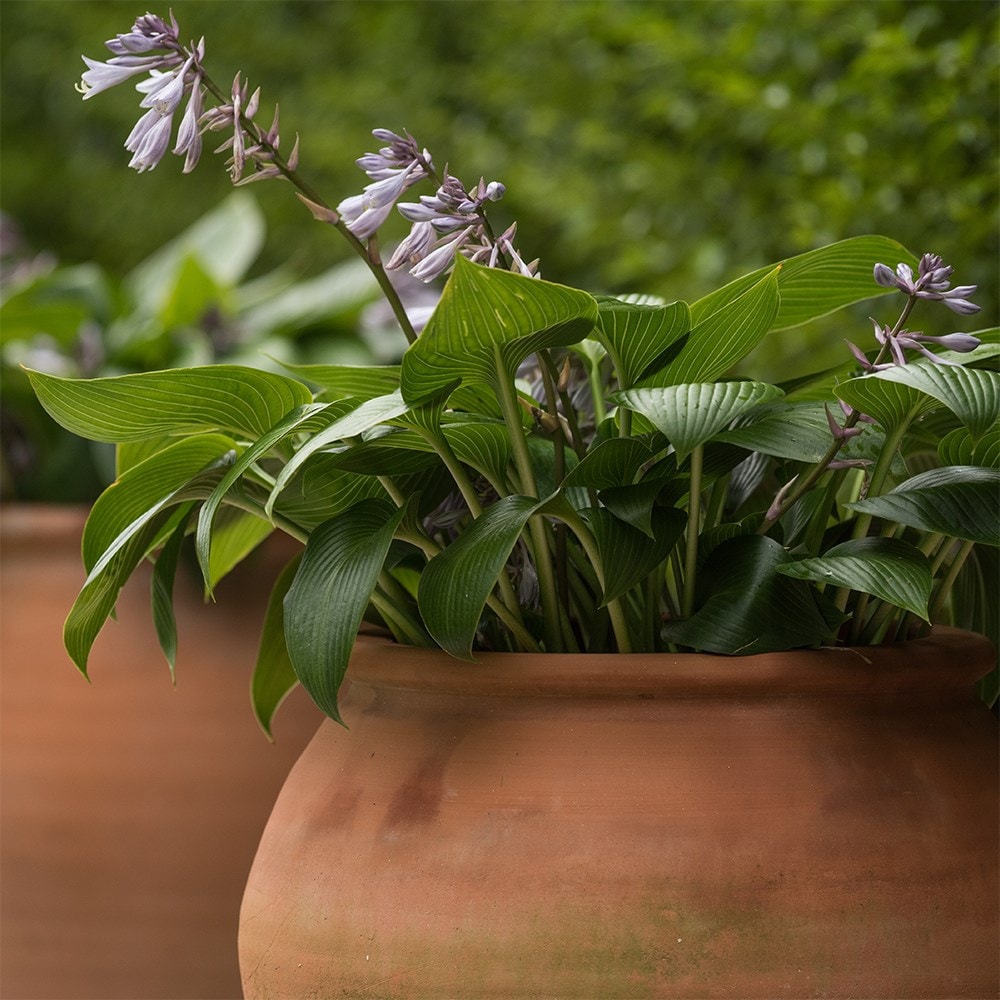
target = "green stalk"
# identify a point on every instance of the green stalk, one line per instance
(551, 609)
(693, 528)
(619, 623)
(944, 587)
(390, 607)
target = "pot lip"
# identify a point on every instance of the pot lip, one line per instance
(947, 660)
(45, 524)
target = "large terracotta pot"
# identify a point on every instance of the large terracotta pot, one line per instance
(130, 809)
(818, 824)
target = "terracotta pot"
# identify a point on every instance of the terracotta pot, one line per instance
(818, 824)
(131, 809)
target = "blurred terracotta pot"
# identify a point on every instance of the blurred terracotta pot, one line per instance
(806, 824)
(131, 809)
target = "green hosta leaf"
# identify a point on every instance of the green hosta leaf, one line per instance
(799, 431)
(242, 401)
(145, 485)
(637, 335)
(958, 501)
(959, 447)
(627, 554)
(327, 599)
(971, 394)
(321, 490)
(99, 593)
(194, 292)
(344, 381)
(369, 414)
(819, 282)
(614, 462)
(273, 676)
(690, 415)
(722, 338)
(891, 403)
(236, 534)
(485, 312)
(302, 418)
(890, 569)
(749, 607)
(455, 584)
(164, 572)
(634, 504)
(225, 242)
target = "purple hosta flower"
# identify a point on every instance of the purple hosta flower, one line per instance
(932, 282)
(149, 140)
(128, 59)
(364, 213)
(189, 131)
(905, 340)
(393, 169)
(236, 115)
(456, 217)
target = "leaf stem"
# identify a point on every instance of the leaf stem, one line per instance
(693, 528)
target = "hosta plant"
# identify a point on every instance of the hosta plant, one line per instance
(546, 469)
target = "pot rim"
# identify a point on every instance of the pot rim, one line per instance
(947, 660)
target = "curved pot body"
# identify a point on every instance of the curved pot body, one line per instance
(808, 824)
(128, 823)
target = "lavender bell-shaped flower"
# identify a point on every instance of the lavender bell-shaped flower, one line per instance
(932, 282)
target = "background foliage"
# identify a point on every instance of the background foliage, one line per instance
(646, 146)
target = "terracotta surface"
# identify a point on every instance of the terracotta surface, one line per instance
(676, 831)
(130, 810)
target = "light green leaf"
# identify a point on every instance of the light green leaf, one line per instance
(958, 501)
(724, 337)
(891, 403)
(972, 394)
(369, 414)
(455, 584)
(819, 282)
(164, 571)
(230, 398)
(225, 242)
(302, 418)
(344, 381)
(235, 535)
(99, 594)
(143, 486)
(484, 312)
(637, 335)
(690, 415)
(327, 599)
(273, 676)
(888, 568)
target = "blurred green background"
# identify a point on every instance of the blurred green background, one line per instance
(661, 147)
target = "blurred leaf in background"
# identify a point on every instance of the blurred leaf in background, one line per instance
(658, 147)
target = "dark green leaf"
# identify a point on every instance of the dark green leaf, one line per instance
(327, 599)
(747, 606)
(958, 501)
(455, 584)
(627, 554)
(273, 676)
